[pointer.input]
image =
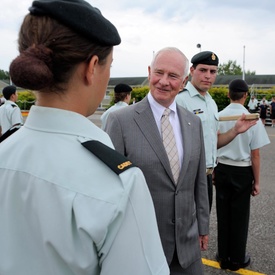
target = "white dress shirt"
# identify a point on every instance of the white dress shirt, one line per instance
(158, 110)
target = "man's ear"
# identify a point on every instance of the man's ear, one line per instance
(184, 82)
(149, 72)
(12, 96)
(91, 69)
(192, 70)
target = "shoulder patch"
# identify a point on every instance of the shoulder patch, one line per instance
(116, 161)
(13, 105)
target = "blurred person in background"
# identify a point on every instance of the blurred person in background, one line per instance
(122, 97)
(10, 113)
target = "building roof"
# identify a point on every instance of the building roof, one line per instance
(132, 81)
(261, 81)
(258, 80)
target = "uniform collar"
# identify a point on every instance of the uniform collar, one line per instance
(55, 120)
(194, 92)
(236, 106)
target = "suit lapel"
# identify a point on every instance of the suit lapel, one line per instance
(186, 141)
(146, 122)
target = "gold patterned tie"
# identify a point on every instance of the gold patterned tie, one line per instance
(169, 143)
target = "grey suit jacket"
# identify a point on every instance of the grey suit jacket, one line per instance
(181, 210)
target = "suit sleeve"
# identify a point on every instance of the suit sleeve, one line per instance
(114, 129)
(201, 193)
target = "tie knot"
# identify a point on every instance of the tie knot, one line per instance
(166, 112)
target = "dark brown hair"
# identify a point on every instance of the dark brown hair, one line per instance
(236, 95)
(49, 53)
(120, 96)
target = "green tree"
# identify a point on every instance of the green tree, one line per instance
(231, 68)
(25, 99)
(139, 93)
(4, 75)
(248, 72)
(220, 96)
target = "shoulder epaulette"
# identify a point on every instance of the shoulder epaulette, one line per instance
(13, 105)
(116, 161)
(184, 89)
(8, 133)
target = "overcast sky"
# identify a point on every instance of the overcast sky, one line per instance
(238, 30)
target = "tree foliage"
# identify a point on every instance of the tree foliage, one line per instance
(231, 68)
(139, 93)
(4, 75)
(220, 96)
(25, 99)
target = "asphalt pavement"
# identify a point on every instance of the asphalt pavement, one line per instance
(261, 238)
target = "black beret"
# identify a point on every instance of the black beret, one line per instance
(238, 85)
(122, 88)
(80, 16)
(8, 91)
(206, 57)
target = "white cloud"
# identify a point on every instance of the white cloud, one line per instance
(147, 26)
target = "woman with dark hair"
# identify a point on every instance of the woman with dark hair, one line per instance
(70, 204)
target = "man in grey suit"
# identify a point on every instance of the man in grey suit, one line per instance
(181, 205)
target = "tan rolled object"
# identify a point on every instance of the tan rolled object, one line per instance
(247, 117)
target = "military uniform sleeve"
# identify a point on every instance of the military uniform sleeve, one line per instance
(136, 249)
(16, 116)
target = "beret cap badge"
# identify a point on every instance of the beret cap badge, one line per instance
(205, 57)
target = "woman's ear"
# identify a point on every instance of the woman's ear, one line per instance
(91, 69)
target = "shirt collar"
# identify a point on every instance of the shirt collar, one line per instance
(194, 92)
(158, 109)
(237, 106)
(62, 121)
(121, 103)
(7, 101)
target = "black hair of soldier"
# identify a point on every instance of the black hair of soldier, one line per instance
(120, 96)
(236, 95)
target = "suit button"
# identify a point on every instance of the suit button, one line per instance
(176, 192)
(173, 220)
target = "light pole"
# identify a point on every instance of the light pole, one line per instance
(243, 62)
(199, 46)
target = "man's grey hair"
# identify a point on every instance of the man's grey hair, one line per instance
(173, 49)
